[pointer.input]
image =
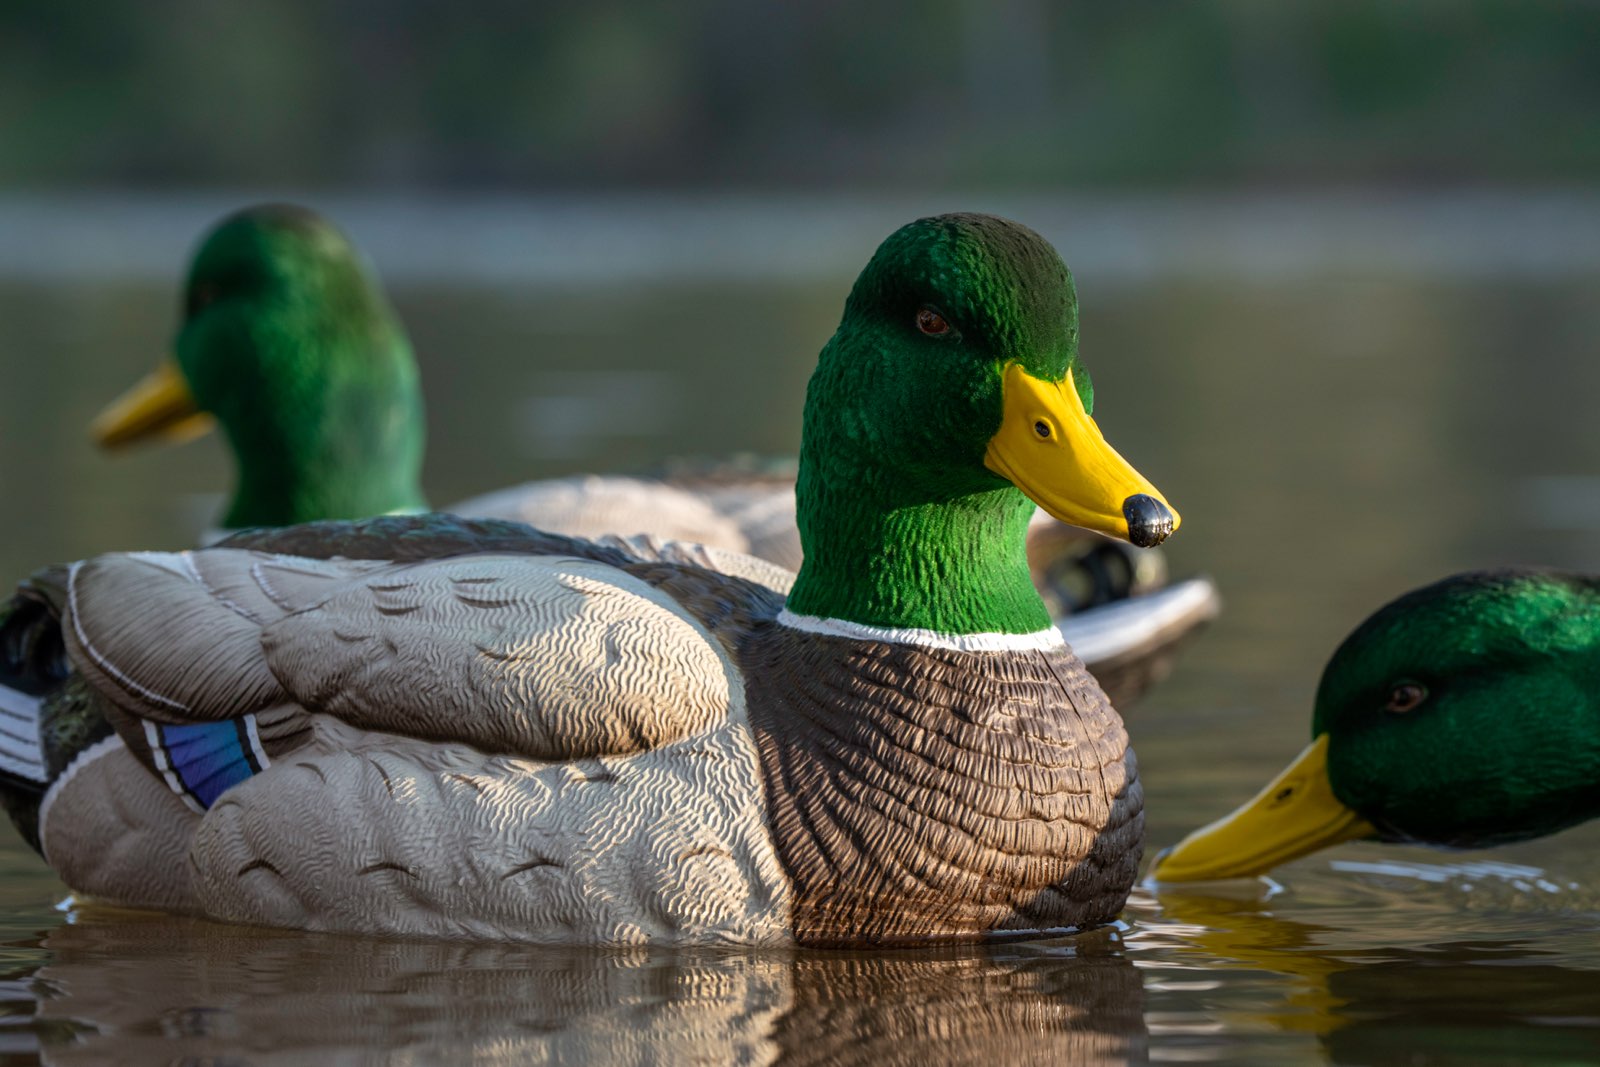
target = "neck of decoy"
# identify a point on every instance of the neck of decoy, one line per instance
(877, 554)
(344, 446)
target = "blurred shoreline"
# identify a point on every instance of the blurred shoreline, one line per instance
(556, 239)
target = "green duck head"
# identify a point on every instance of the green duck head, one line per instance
(1463, 714)
(287, 341)
(949, 401)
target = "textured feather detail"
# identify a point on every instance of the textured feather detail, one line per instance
(921, 792)
(174, 640)
(418, 833)
(79, 764)
(545, 656)
(381, 834)
(549, 657)
(159, 645)
(726, 604)
(113, 830)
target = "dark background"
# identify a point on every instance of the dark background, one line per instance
(1017, 94)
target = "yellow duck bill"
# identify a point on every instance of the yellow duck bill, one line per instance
(1050, 448)
(1296, 814)
(159, 408)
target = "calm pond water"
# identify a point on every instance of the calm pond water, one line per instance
(1333, 434)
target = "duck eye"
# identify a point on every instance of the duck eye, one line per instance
(932, 323)
(1405, 697)
(1042, 428)
(202, 296)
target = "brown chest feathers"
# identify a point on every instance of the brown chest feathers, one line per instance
(921, 793)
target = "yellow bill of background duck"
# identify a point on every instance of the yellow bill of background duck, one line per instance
(1049, 447)
(160, 407)
(1297, 813)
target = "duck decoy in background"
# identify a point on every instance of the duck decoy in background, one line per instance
(289, 342)
(434, 726)
(1464, 714)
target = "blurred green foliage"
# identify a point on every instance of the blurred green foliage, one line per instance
(408, 93)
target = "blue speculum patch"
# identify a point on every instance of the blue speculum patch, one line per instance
(210, 758)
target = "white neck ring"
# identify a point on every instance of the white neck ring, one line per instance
(1039, 640)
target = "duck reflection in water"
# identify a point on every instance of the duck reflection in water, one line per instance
(1466, 1001)
(159, 989)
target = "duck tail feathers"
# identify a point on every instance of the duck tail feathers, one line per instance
(22, 758)
(33, 665)
(24, 773)
(47, 714)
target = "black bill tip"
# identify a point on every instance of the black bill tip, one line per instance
(1149, 520)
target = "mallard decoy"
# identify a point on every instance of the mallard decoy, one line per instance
(440, 727)
(290, 344)
(1464, 714)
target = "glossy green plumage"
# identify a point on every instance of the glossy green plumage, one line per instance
(903, 524)
(1506, 744)
(287, 338)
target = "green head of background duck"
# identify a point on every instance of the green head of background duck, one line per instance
(288, 341)
(1464, 714)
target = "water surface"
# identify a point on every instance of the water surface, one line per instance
(1333, 433)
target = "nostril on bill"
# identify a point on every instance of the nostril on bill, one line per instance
(1149, 520)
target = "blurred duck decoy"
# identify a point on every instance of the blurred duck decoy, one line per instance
(426, 725)
(1464, 714)
(289, 343)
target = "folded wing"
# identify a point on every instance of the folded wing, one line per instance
(214, 662)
